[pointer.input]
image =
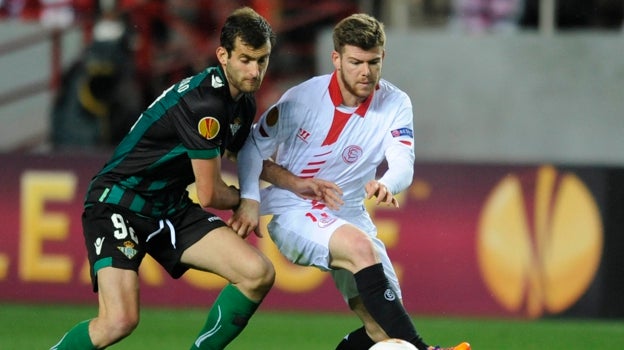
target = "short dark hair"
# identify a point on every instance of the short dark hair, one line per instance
(360, 30)
(249, 26)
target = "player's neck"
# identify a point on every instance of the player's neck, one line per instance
(349, 99)
(235, 93)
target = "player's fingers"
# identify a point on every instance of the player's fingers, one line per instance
(332, 203)
(322, 187)
(395, 202)
(234, 224)
(244, 231)
(371, 189)
(382, 194)
(257, 232)
(328, 185)
(333, 197)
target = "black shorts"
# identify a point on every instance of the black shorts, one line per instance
(118, 237)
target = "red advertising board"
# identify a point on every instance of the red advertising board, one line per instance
(468, 239)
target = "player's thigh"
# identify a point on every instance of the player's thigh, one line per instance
(118, 293)
(226, 254)
(303, 236)
(352, 249)
(110, 239)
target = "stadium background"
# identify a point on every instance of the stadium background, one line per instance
(525, 128)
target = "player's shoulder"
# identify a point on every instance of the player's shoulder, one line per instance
(389, 91)
(309, 87)
(388, 87)
(208, 88)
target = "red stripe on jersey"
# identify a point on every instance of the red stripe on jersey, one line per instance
(322, 154)
(406, 143)
(338, 124)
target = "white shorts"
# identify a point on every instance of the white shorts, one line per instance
(303, 238)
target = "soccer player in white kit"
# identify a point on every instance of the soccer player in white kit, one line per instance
(326, 138)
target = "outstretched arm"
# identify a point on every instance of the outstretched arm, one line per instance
(309, 188)
(246, 216)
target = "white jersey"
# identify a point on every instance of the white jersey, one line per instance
(317, 137)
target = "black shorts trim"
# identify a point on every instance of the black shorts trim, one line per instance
(117, 237)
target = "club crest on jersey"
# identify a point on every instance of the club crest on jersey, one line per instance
(325, 220)
(351, 154)
(128, 249)
(209, 127)
(235, 126)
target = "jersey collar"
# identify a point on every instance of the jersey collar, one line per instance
(336, 96)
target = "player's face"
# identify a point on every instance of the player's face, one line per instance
(359, 72)
(245, 66)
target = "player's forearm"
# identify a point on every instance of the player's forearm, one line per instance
(229, 199)
(399, 175)
(220, 196)
(277, 175)
(249, 169)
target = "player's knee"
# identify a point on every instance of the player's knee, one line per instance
(266, 277)
(363, 252)
(261, 277)
(121, 325)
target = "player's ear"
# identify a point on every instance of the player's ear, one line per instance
(335, 56)
(222, 55)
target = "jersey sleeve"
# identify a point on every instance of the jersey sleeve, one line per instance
(400, 150)
(200, 123)
(266, 135)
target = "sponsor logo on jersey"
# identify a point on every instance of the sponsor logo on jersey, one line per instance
(99, 242)
(209, 127)
(303, 135)
(402, 132)
(216, 81)
(214, 218)
(351, 154)
(128, 249)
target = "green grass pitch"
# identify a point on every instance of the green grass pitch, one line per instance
(40, 326)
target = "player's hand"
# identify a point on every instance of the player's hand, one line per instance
(380, 191)
(245, 218)
(323, 191)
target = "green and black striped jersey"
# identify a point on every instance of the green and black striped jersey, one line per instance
(150, 169)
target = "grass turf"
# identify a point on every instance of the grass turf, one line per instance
(40, 326)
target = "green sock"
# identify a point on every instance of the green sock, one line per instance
(76, 339)
(227, 318)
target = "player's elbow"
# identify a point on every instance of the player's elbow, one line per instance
(205, 199)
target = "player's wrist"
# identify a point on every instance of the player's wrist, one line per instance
(238, 197)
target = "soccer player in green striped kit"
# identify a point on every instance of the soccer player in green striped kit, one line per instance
(138, 202)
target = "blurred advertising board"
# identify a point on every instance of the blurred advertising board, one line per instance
(523, 240)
